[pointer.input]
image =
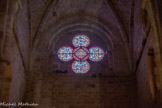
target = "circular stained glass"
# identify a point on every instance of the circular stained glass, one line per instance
(80, 66)
(65, 53)
(96, 54)
(80, 54)
(81, 41)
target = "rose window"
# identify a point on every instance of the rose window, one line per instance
(80, 54)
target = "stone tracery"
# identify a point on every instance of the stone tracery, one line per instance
(80, 54)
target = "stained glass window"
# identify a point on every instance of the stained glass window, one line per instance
(96, 54)
(80, 66)
(81, 40)
(80, 54)
(65, 53)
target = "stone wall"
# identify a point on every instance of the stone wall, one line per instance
(109, 86)
(118, 92)
(140, 35)
(18, 75)
(64, 90)
(56, 85)
(19, 53)
(143, 82)
(143, 40)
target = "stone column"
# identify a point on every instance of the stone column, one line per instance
(3, 68)
(3, 62)
(159, 3)
(156, 25)
(8, 9)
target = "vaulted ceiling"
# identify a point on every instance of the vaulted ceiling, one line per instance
(110, 20)
(47, 12)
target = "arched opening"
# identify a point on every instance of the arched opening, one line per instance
(153, 75)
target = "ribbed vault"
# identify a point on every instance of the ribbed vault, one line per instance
(102, 21)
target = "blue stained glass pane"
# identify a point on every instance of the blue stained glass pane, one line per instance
(81, 40)
(80, 54)
(65, 53)
(96, 54)
(80, 66)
